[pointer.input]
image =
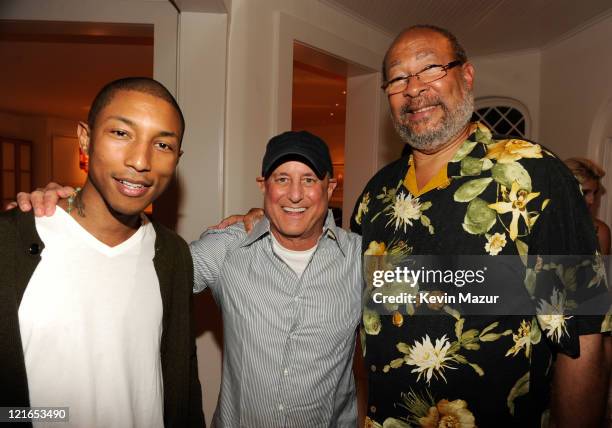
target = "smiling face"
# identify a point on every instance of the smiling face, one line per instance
(295, 203)
(428, 116)
(133, 148)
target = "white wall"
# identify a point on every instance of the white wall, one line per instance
(514, 75)
(576, 88)
(201, 94)
(252, 115)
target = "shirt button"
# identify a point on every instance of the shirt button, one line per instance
(281, 407)
(286, 372)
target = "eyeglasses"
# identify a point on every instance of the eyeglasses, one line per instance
(429, 74)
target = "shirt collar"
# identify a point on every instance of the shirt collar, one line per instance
(330, 231)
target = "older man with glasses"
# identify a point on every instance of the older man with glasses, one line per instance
(460, 191)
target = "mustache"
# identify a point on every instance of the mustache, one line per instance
(419, 103)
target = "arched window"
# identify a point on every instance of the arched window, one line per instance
(505, 116)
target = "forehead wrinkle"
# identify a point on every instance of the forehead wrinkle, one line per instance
(425, 54)
(422, 54)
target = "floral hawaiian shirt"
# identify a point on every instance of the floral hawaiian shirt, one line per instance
(499, 197)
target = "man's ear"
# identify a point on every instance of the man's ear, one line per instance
(83, 134)
(331, 186)
(261, 183)
(468, 74)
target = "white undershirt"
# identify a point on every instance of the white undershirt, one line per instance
(296, 260)
(91, 324)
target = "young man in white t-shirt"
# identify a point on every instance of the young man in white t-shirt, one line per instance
(95, 300)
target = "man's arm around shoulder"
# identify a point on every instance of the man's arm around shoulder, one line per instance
(209, 253)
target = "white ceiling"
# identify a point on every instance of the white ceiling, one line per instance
(482, 26)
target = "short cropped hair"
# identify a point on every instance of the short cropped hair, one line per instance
(145, 85)
(458, 50)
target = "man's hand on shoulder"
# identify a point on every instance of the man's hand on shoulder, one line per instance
(43, 201)
(249, 219)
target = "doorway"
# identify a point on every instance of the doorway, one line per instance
(53, 71)
(319, 106)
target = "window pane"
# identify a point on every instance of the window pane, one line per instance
(514, 116)
(492, 117)
(8, 155)
(8, 185)
(521, 127)
(503, 128)
(25, 182)
(503, 120)
(24, 157)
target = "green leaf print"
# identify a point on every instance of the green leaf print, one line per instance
(471, 189)
(471, 166)
(479, 218)
(521, 387)
(465, 149)
(507, 173)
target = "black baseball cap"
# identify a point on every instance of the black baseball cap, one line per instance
(301, 146)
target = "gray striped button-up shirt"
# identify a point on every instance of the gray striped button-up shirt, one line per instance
(288, 341)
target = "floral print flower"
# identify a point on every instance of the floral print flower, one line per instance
(506, 151)
(397, 319)
(516, 203)
(449, 414)
(495, 243)
(430, 360)
(363, 208)
(369, 423)
(551, 318)
(405, 209)
(522, 340)
(376, 249)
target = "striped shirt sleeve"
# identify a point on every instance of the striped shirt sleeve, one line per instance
(209, 253)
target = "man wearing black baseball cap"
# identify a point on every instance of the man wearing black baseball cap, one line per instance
(301, 145)
(290, 292)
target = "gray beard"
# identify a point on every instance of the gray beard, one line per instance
(453, 123)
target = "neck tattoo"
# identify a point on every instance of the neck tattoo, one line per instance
(75, 201)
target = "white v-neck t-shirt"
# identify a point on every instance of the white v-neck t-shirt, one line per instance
(91, 325)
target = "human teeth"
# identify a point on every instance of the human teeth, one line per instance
(294, 210)
(132, 185)
(423, 109)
